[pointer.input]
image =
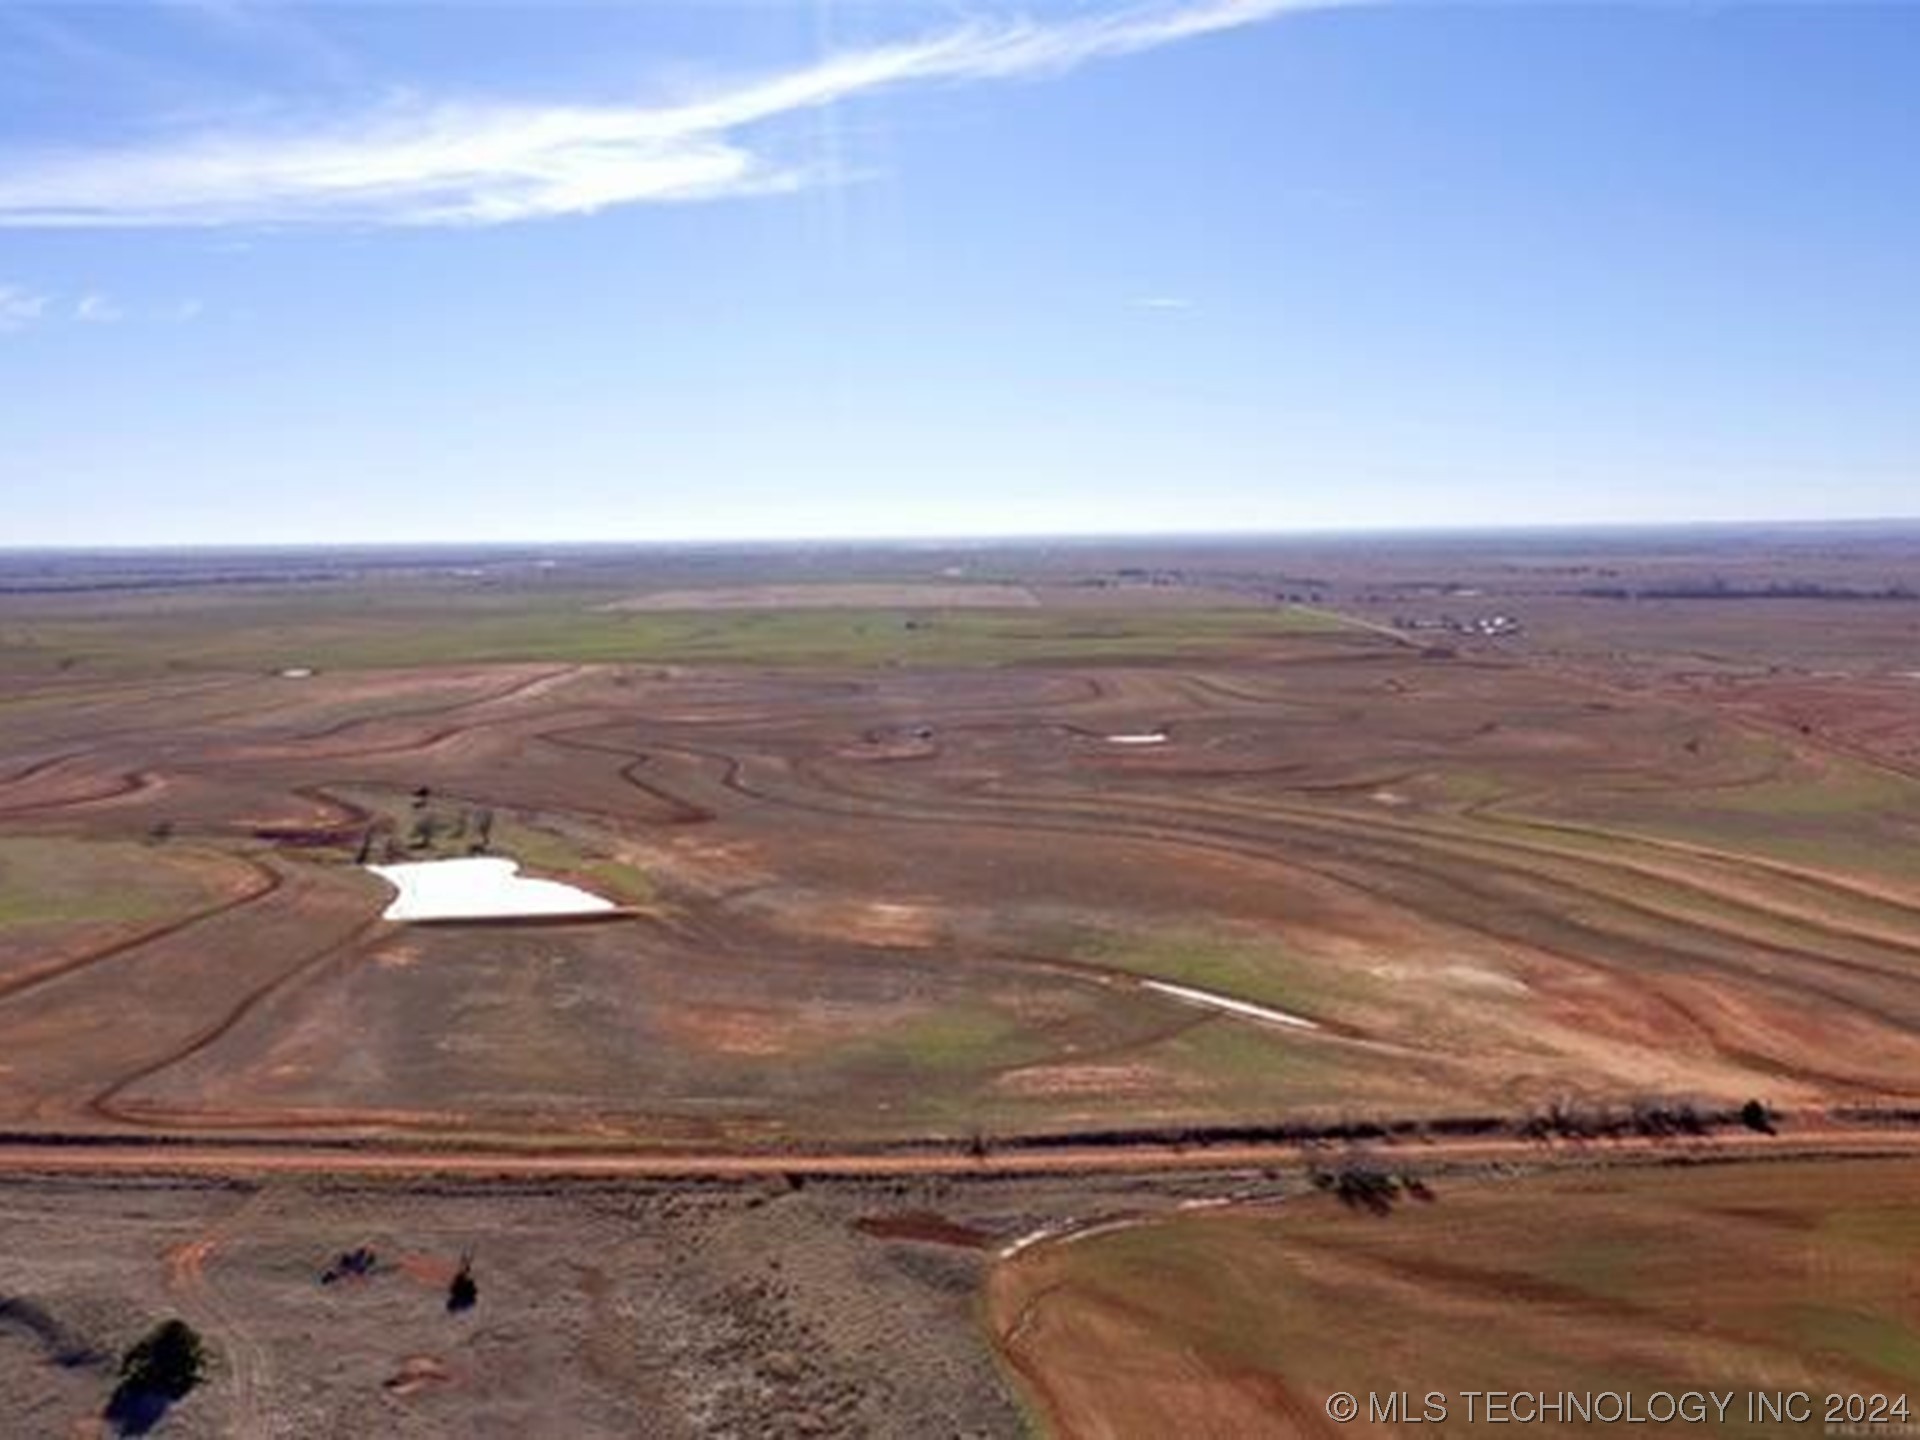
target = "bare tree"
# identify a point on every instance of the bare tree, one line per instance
(425, 829)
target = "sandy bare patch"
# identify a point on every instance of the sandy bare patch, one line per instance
(1458, 974)
(697, 863)
(882, 924)
(915, 744)
(732, 1031)
(417, 1372)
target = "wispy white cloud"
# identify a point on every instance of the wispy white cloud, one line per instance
(97, 309)
(275, 27)
(20, 307)
(412, 162)
(1163, 302)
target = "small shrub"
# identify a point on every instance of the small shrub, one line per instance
(1359, 1186)
(163, 1366)
(463, 1292)
(168, 1360)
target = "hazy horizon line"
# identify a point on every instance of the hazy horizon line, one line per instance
(1037, 537)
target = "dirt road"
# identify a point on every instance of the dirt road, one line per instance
(1822, 1135)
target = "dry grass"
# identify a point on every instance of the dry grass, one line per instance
(1785, 1276)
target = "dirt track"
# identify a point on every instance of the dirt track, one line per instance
(1816, 1135)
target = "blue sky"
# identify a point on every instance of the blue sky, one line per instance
(758, 268)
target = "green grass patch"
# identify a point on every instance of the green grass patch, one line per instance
(1629, 1279)
(338, 636)
(579, 856)
(974, 1037)
(1263, 1069)
(1889, 1346)
(1255, 968)
(55, 881)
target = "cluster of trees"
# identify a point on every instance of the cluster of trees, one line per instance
(468, 829)
(1644, 1119)
(1570, 1120)
(1719, 589)
(1295, 1132)
(1361, 1185)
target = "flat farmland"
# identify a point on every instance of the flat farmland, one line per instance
(1743, 1280)
(903, 903)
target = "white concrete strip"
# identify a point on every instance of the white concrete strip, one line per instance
(1066, 1232)
(480, 887)
(1223, 1002)
(1032, 1237)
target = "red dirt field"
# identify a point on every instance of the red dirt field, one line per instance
(1487, 887)
(879, 1004)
